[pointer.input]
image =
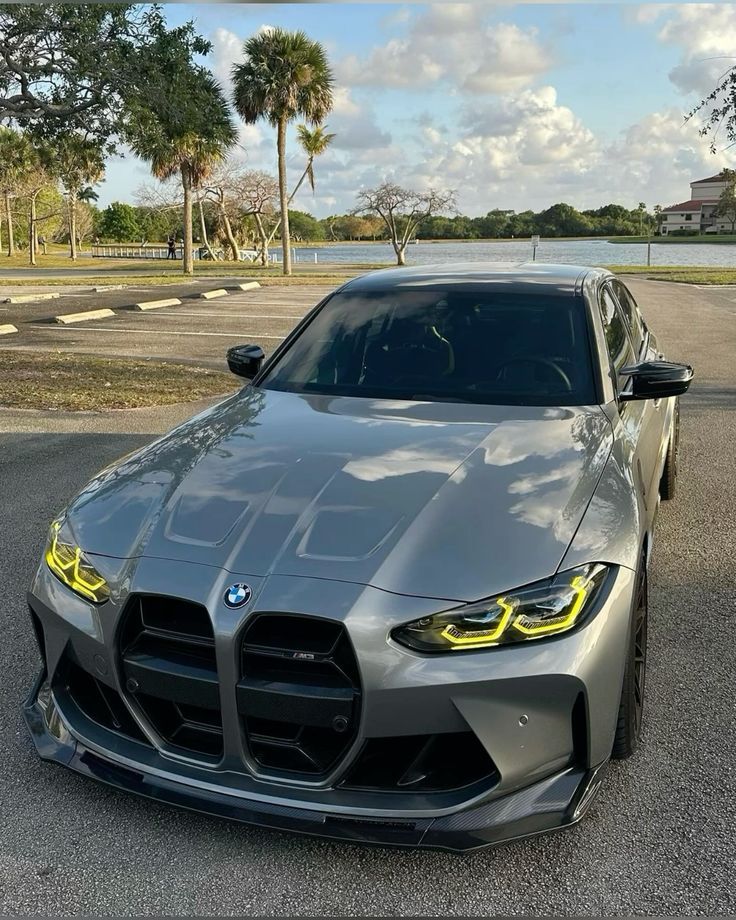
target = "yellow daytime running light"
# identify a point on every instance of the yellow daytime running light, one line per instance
(555, 624)
(459, 637)
(535, 611)
(69, 565)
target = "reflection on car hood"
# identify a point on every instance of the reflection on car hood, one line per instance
(442, 500)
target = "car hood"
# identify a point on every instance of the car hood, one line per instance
(444, 500)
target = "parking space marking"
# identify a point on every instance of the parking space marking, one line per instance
(144, 332)
(232, 315)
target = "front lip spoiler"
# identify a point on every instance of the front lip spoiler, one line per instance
(550, 804)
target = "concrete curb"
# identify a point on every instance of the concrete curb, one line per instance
(210, 295)
(155, 304)
(67, 318)
(30, 298)
(8, 329)
(102, 288)
(249, 285)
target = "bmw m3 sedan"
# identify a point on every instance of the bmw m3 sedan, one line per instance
(395, 588)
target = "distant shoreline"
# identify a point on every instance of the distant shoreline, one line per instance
(721, 240)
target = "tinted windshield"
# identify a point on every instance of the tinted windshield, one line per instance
(443, 345)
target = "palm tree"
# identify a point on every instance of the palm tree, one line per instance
(79, 164)
(16, 158)
(186, 128)
(285, 76)
(313, 143)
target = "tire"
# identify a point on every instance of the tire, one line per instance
(631, 707)
(668, 482)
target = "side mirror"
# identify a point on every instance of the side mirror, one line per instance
(656, 379)
(245, 360)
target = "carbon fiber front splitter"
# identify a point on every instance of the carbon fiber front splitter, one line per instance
(550, 804)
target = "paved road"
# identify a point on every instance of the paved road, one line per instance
(658, 840)
(198, 330)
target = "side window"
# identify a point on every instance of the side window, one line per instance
(631, 312)
(617, 334)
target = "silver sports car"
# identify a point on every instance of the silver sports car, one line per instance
(393, 590)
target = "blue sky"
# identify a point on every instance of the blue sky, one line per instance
(514, 105)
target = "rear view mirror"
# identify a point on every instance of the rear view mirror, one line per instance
(656, 379)
(245, 360)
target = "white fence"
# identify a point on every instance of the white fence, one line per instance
(119, 251)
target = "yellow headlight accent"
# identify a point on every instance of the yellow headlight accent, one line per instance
(456, 636)
(580, 587)
(69, 565)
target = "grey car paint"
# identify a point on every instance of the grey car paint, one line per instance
(357, 490)
(375, 513)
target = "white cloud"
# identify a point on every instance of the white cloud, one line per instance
(705, 34)
(516, 57)
(453, 42)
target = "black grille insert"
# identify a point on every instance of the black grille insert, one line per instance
(299, 695)
(95, 700)
(421, 763)
(168, 656)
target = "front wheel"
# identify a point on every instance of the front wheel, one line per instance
(668, 482)
(631, 707)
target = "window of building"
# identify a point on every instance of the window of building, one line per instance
(688, 217)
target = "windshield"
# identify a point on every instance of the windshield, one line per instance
(500, 349)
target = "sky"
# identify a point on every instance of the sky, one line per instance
(514, 106)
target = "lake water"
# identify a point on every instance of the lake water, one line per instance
(579, 252)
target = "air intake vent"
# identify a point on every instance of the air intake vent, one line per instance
(95, 700)
(299, 696)
(421, 763)
(168, 655)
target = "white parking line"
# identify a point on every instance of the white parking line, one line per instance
(181, 313)
(226, 335)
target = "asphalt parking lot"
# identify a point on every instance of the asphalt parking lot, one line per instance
(198, 330)
(657, 840)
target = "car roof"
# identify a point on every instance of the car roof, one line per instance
(510, 277)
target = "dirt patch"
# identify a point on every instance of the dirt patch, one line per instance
(56, 380)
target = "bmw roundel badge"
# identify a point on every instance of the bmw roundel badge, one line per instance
(237, 595)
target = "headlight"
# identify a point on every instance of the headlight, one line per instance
(543, 609)
(70, 565)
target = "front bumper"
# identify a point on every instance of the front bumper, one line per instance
(547, 765)
(554, 803)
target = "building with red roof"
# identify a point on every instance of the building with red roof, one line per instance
(698, 213)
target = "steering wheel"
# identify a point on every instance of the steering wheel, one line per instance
(536, 359)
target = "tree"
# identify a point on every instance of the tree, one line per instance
(258, 192)
(719, 107)
(658, 218)
(285, 76)
(63, 67)
(119, 222)
(641, 211)
(726, 207)
(402, 210)
(16, 158)
(305, 228)
(179, 121)
(78, 162)
(313, 143)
